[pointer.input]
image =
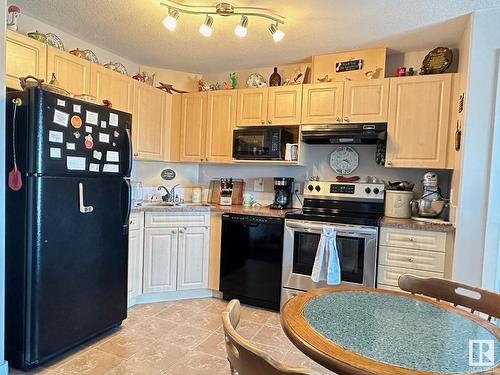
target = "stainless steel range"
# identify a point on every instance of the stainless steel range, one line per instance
(355, 210)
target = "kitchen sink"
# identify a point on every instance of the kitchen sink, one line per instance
(171, 204)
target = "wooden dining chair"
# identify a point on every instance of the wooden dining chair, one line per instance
(475, 299)
(246, 359)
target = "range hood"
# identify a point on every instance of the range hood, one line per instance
(344, 133)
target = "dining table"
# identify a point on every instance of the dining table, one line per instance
(360, 330)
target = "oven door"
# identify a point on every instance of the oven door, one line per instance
(356, 246)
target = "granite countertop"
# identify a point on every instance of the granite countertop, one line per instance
(234, 209)
(411, 224)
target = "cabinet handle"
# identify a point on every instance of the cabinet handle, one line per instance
(410, 259)
(269, 122)
(411, 239)
(389, 162)
(182, 230)
(174, 231)
(201, 160)
(206, 159)
(130, 222)
(346, 119)
(339, 119)
(136, 154)
(262, 122)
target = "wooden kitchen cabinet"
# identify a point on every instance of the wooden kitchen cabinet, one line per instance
(113, 86)
(366, 101)
(192, 269)
(160, 259)
(193, 127)
(149, 122)
(252, 106)
(221, 119)
(322, 103)
(24, 56)
(135, 256)
(418, 121)
(72, 72)
(284, 105)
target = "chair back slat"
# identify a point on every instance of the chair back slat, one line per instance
(458, 294)
(244, 357)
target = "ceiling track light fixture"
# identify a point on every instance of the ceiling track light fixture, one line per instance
(225, 10)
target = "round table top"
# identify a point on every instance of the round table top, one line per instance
(383, 331)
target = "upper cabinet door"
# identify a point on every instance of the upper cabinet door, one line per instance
(419, 116)
(193, 127)
(148, 125)
(284, 105)
(113, 86)
(73, 73)
(252, 106)
(221, 119)
(322, 103)
(366, 100)
(25, 56)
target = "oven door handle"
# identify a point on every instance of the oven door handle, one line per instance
(341, 231)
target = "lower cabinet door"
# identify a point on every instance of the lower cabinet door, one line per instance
(192, 271)
(135, 263)
(160, 259)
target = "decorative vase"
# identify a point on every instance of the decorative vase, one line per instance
(275, 79)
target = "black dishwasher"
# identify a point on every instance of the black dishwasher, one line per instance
(251, 255)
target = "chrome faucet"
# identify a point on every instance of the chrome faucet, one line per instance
(169, 196)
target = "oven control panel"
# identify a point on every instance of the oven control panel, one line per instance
(333, 190)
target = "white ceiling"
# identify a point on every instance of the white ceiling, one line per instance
(133, 29)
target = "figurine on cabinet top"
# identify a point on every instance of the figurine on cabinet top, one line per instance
(13, 17)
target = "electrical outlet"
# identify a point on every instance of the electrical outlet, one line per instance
(296, 187)
(258, 184)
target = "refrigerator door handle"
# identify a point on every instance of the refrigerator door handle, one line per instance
(83, 209)
(129, 205)
(129, 140)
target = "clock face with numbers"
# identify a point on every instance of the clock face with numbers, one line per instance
(344, 160)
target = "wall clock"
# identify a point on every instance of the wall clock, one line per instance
(344, 160)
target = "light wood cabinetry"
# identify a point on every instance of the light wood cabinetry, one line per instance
(24, 56)
(322, 103)
(284, 105)
(419, 120)
(113, 86)
(252, 106)
(421, 253)
(215, 243)
(176, 249)
(281, 105)
(149, 122)
(366, 101)
(192, 266)
(221, 119)
(135, 255)
(193, 127)
(72, 72)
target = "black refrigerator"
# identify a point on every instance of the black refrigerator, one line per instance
(67, 226)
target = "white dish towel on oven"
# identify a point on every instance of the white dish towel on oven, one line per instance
(326, 264)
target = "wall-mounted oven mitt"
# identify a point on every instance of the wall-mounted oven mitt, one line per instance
(326, 264)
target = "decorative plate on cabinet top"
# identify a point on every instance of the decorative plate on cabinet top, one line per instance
(91, 56)
(256, 80)
(437, 61)
(54, 41)
(120, 68)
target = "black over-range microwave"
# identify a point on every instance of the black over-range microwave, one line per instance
(260, 143)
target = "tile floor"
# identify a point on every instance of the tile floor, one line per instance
(176, 338)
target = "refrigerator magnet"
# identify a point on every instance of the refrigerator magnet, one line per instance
(114, 144)
(93, 167)
(89, 141)
(103, 124)
(60, 118)
(113, 119)
(76, 121)
(91, 117)
(56, 137)
(88, 129)
(55, 153)
(116, 133)
(75, 163)
(61, 103)
(77, 108)
(97, 155)
(113, 156)
(70, 146)
(77, 134)
(103, 138)
(112, 168)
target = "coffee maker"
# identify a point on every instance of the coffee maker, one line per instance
(283, 193)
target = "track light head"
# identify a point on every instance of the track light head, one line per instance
(277, 34)
(241, 29)
(206, 27)
(170, 21)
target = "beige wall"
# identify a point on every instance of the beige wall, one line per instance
(181, 80)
